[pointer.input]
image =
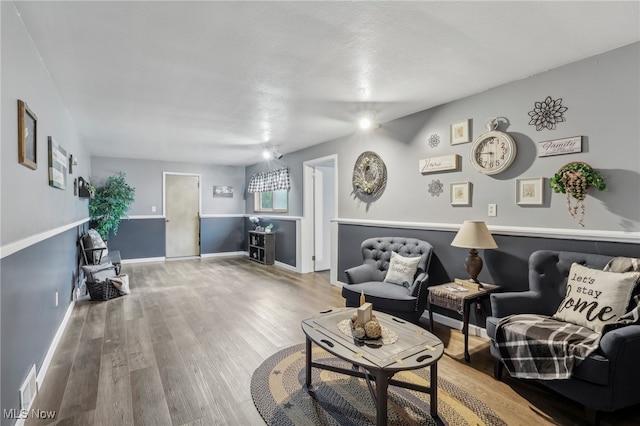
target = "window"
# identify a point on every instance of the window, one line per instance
(271, 201)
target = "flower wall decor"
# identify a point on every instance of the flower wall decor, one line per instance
(547, 114)
(575, 179)
(434, 140)
(435, 188)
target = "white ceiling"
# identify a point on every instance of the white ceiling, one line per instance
(213, 82)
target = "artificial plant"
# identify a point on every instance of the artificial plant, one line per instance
(110, 204)
(575, 179)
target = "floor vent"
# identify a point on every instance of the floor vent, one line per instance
(29, 389)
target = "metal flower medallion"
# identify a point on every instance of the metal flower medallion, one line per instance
(547, 114)
(435, 188)
(434, 140)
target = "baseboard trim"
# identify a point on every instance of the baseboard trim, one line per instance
(285, 266)
(225, 254)
(144, 259)
(54, 345)
(474, 330)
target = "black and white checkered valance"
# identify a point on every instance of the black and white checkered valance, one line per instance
(270, 181)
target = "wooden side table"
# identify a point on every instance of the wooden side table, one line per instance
(445, 296)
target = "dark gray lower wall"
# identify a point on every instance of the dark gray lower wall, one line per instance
(506, 266)
(222, 234)
(286, 238)
(30, 319)
(140, 238)
(146, 237)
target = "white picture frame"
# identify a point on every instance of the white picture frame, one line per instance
(460, 132)
(460, 193)
(530, 191)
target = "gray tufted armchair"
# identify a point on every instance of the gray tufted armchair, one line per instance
(406, 303)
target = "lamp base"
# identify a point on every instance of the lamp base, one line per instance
(473, 265)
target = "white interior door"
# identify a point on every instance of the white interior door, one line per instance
(307, 242)
(324, 211)
(182, 211)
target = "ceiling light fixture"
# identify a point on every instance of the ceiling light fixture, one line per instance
(366, 121)
(272, 152)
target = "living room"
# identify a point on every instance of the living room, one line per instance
(40, 224)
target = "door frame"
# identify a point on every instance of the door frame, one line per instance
(307, 224)
(164, 200)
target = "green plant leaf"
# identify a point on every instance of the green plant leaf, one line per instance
(110, 204)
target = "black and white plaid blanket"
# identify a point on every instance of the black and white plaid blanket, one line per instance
(540, 347)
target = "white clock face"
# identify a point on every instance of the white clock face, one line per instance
(493, 152)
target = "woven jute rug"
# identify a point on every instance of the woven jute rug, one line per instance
(277, 388)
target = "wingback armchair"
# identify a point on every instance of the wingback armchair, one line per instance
(606, 380)
(406, 302)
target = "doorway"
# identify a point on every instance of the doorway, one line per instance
(182, 214)
(320, 208)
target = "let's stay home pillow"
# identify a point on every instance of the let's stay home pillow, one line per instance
(595, 298)
(401, 270)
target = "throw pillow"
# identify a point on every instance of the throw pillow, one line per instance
(96, 242)
(595, 298)
(96, 273)
(401, 270)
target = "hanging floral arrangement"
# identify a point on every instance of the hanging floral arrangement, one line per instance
(575, 179)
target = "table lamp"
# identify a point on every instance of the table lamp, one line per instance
(474, 234)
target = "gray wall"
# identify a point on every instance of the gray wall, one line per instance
(30, 318)
(601, 94)
(37, 267)
(29, 205)
(222, 234)
(507, 266)
(286, 238)
(140, 238)
(144, 237)
(146, 177)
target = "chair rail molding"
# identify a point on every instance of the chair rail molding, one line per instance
(16, 246)
(557, 233)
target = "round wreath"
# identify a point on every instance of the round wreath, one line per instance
(369, 174)
(575, 179)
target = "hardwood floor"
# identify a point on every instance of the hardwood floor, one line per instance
(180, 350)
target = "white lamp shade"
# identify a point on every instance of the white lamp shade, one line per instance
(474, 234)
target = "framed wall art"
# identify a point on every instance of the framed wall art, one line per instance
(560, 146)
(460, 194)
(439, 164)
(530, 191)
(27, 136)
(223, 191)
(460, 132)
(58, 163)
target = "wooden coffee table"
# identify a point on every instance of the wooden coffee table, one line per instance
(415, 348)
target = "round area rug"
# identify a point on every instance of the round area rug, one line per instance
(338, 399)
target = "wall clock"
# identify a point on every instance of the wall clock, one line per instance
(493, 152)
